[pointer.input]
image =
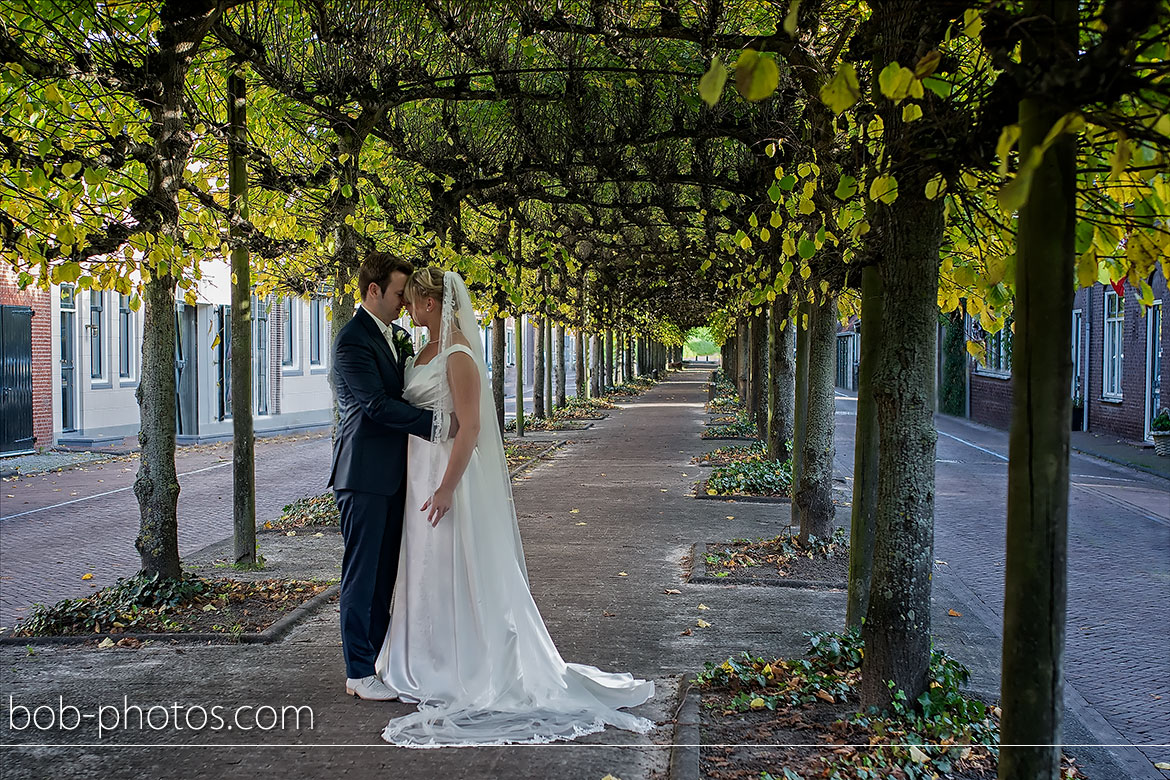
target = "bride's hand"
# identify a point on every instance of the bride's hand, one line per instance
(439, 504)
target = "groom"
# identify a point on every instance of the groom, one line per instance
(369, 464)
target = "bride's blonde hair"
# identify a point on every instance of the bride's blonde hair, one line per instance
(425, 283)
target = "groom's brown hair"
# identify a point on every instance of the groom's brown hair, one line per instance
(376, 269)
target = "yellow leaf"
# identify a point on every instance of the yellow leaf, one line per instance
(976, 350)
(757, 703)
(574, 511)
(582, 524)
(953, 613)
(703, 606)
(1007, 139)
(911, 112)
(756, 75)
(918, 756)
(790, 20)
(1087, 268)
(972, 23)
(712, 83)
(1163, 765)
(703, 624)
(107, 642)
(87, 576)
(884, 189)
(894, 81)
(936, 186)
(843, 90)
(622, 574)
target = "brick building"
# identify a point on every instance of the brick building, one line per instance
(26, 366)
(1119, 370)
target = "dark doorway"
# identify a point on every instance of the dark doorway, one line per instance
(16, 409)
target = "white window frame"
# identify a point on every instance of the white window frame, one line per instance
(1112, 346)
(98, 335)
(997, 352)
(127, 340)
(290, 358)
(1153, 331)
(317, 322)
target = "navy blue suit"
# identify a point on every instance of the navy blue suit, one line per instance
(368, 480)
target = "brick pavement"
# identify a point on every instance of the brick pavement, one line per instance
(44, 553)
(1118, 569)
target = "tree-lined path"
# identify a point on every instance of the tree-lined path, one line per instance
(600, 575)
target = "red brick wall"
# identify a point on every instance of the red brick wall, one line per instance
(991, 400)
(42, 354)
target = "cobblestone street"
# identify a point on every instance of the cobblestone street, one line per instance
(57, 527)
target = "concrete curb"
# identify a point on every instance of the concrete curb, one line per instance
(269, 635)
(1120, 462)
(739, 498)
(684, 748)
(699, 558)
(727, 438)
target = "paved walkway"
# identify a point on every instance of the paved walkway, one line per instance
(600, 576)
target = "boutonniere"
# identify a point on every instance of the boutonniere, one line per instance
(404, 344)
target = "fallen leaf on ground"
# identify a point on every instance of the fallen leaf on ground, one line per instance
(824, 695)
(757, 703)
(953, 613)
(608, 614)
(87, 576)
(941, 563)
(291, 533)
(918, 755)
(130, 642)
(731, 517)
(107, 642)
(610, 777)
(574, 511)
(703, 606)
(622, 574)
(582, 524)
(685, 633)
(1165, 765)
(703, 624)
(662, 490)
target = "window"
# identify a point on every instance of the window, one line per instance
(125, 338)
(261, 348)
(997, 355)
(316, 321)
(97, 340)
(290, 334)
(1112, 348)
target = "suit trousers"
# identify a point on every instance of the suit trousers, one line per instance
(371, 526)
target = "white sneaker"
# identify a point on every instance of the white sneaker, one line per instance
(369, 688)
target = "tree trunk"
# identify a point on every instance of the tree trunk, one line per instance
(561, 365)
(157, 483)
(156, 486)
(538, 368)
(759, 372)
(800, 396)
(549, 399)
(582, 371)
(498, 360)
(609, 357)
(595, 367)
(813, 496)
(519, 337)
(243, 438)
(629, 352)
(743, 359)
(865, 452)
(897, 626)
(1035, 570)
(781, 377)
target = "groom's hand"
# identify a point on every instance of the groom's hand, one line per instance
(439, 504)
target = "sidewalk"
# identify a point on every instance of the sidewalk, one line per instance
(600, 575)
(1122, 452)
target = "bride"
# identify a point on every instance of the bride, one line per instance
(466, 641)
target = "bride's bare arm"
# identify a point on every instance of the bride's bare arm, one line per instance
(463, 377)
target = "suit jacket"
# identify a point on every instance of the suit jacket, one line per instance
(369, 449)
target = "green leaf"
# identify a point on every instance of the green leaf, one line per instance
(774, 192)
(1007, 139)
(756, 75)
(938, 86)
(806, 248)
(787, 183)
(843, 90)
(911, 112)
(936, 187)
(790, 19)
(846, 188)
(712, 83)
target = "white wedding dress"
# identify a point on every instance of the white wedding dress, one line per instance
(466, 640)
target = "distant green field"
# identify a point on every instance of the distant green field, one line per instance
(699, 344)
